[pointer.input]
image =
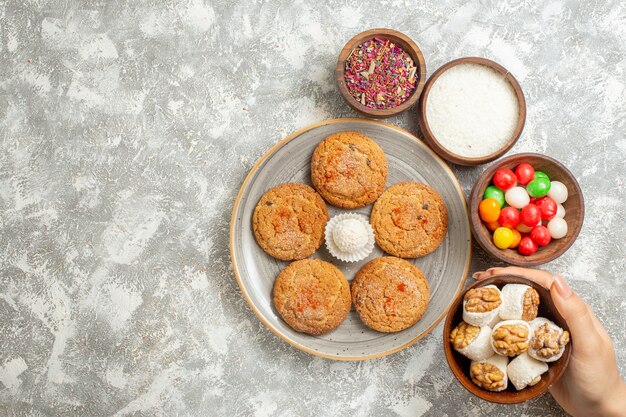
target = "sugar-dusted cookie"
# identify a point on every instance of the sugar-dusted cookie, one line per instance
(349, 170)
(289, 221)
(409, 220)
(312, 296)
(390, 294)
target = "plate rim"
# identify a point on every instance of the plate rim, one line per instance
(236, 204)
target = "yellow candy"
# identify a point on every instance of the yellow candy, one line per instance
(503, 237)
(517, 237)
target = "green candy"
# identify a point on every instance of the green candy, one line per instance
(540, 174)
(538, 187)
(497, 194)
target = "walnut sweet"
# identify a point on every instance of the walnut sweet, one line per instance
(510, 339)
(487, 376)
(481, 300)
(547, 342)
(463, 335)
(530, 304)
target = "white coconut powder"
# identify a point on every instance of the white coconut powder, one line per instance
(472, 110)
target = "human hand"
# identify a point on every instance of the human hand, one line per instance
(591, 385)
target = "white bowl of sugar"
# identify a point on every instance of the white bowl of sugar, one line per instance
(472, 111)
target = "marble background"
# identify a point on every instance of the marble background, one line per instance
(126, 129)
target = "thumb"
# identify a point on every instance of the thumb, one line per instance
(577, 315)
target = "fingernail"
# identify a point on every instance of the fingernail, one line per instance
(561, 287)
(476, 274)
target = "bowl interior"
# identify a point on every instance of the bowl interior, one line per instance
(399, 39)
(442, 150)
(460, 365)
(574, 210)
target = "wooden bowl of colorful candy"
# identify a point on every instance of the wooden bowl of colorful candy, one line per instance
(526, 209)
(381, 73)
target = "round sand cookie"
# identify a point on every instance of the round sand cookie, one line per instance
(312, 296)
(409, 220)
(349, 170)
(289, 221)
(390, 294)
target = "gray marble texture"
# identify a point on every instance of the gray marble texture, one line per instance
(126, 129)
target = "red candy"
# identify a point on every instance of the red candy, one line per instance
(527, 246)
(524, 173)
(541, 235)
(530, 215)
(509, 217)
(504, 179)
(547, 206)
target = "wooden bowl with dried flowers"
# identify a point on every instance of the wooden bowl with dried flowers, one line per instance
(381, 73)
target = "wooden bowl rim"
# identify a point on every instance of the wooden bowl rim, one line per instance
(462, 377)
(476, 225)
(411, 48)
(430, 137)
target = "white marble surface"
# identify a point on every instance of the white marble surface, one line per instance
(126, 130)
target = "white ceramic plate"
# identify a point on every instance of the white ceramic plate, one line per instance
(409, 160)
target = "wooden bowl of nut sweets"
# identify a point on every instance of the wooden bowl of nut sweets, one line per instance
(505, 341)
